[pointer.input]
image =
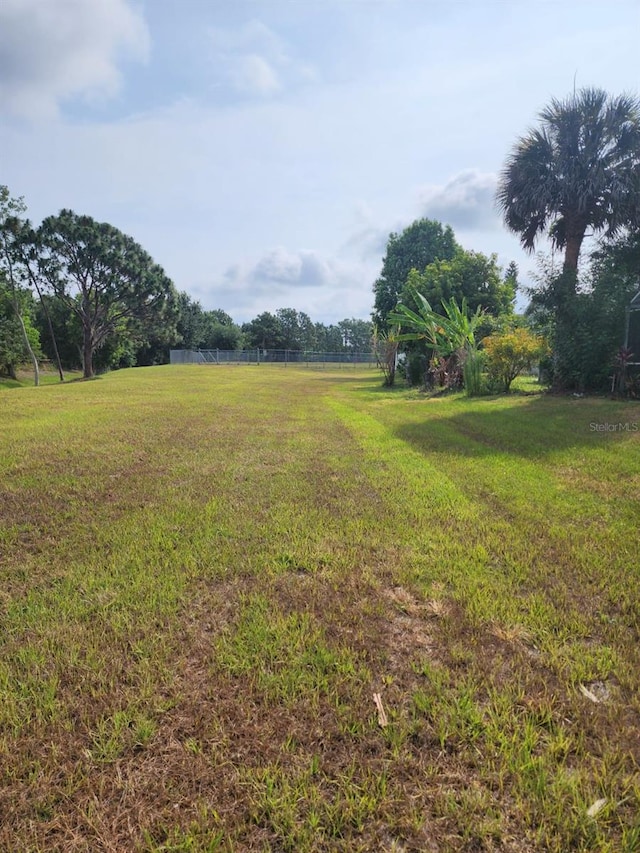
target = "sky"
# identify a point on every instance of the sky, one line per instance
(262, 151)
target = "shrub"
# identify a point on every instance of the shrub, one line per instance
(509, 353)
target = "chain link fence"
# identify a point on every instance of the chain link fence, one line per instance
(281, 357)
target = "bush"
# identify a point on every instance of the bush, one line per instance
(509, 353)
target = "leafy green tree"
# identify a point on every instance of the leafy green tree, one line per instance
(189, 322)
(296, 329)
(153, 336)
(12, 351)
(307, 332)
(356, 334)
(13, 269)
(612, 281)
(511, 277)
(102, 275)
(217, 335)
(598, 314)
(221, 317)
(13, 328)
(65, 330)
(419, 245)
(264, 331)
(287, 329)
(509, 353)
(328, 338)
(471, 276)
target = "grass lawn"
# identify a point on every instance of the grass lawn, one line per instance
(208, 572)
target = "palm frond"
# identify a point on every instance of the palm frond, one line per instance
(579, 169)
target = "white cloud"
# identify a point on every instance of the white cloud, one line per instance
(281, 271)
(368, 243)
(302, 268)
(51, 50)
(326, 288)
(254, 60)
(254, 75)
(253, 36)
(465, 202)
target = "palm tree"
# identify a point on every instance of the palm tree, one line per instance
(579, 170)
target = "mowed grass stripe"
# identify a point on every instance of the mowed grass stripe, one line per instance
(210, 570)
(216, 491)
(540, 550)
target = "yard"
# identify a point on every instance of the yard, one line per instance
(208, 572)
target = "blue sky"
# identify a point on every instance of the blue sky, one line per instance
(262, 150)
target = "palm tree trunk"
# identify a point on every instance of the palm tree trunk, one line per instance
(575, 238)
(565, 288)
(572, 253)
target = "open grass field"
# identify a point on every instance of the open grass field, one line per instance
(207, 573)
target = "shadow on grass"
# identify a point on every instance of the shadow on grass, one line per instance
(533, 428)
(45, 381)
(369, 384)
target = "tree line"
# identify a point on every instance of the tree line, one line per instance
(84, 295)
(575, 175)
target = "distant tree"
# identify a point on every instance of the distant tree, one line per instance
(307, 332)
(295, 328)
(153, 336)
(13, 269)
(13, 327)
(328, 338)
(102, 275)
(511, 277)
(419, 245)
(289, 328)
(199, 329)
(221, 317)
(189, 321)
(264, 331)
(356, 334)
(217, 335)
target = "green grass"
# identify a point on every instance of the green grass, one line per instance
(208, 572)
(48, 376)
